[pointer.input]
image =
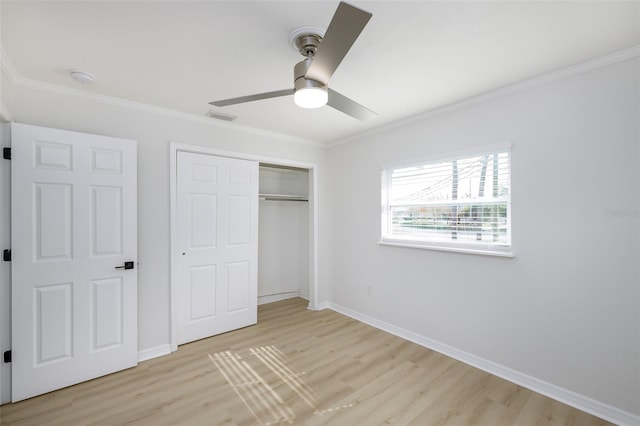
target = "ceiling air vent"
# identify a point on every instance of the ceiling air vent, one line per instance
(213, 114)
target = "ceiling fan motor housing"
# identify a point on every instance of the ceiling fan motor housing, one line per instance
(308, 43)
(299, 81)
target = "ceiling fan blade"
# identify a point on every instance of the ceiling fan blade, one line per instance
(349, 107)
(251, 98)
(345, 27)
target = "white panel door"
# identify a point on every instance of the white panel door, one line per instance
(217, 210)
(74, 222)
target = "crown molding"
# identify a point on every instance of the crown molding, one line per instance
(7, 67)
(9, 70)
(6, 116)
(138, 106)
(540, 80)
(17, 81)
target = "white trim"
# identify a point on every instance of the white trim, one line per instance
(450, 155)
(313, 238)
(123, 103)
(324, 305)
(270, 298)
(199, 149)
(573, 399)
(158, 351)
(5, 113)
(173, 239)
(464, 247)
(26, 83)
(7, 67)
(540, 80)
(453, 249)
(5, 267)
(174, 147)
(622, 55)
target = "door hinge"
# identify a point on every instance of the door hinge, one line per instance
(7, 357)
(6, 153)
(6, 255)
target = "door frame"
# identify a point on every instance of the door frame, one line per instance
(174, 148)
(5, 267)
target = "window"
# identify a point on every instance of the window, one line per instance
(460, 204)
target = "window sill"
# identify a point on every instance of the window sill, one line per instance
(409, 244)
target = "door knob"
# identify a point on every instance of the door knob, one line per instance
(127, 265)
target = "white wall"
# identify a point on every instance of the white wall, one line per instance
(566, 309)
(153, 131)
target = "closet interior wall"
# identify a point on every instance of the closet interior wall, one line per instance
(283, 236)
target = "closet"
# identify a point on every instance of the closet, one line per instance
(283, 233)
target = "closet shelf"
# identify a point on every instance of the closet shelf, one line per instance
(282, 197)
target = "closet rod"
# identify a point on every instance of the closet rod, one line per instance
(276, 197)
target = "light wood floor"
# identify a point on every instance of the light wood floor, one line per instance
(297, 367)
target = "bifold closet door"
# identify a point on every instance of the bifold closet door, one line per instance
(217, 212)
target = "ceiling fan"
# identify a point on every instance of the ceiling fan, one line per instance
(322, 55)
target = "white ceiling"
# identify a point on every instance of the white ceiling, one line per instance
(413, 56)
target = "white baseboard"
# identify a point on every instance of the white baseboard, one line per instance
(151, 353)
(269, 298)
(326, 305)
(581, 402)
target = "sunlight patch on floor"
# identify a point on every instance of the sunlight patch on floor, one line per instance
(258, 391)
(278, 364)
(334, 409)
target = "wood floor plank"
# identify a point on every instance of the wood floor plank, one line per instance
(297, 366)
(366, 399)
(437, 379)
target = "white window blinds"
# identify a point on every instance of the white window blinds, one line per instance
(463, 202)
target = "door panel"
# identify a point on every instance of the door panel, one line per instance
(54, 309)
(73, 200)
(106, 161)
(237, 286)
(106, 221)
(56, 156)
(203, 220)
(106, 313)
(217, 202)
(239, 220)
(54, 221)
(202, 287)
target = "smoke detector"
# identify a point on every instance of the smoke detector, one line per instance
(82, 76)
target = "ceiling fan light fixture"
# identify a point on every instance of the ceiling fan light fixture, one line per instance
(323, 52)
(308, 93)
(311, 97)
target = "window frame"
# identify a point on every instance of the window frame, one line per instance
(491, 249)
